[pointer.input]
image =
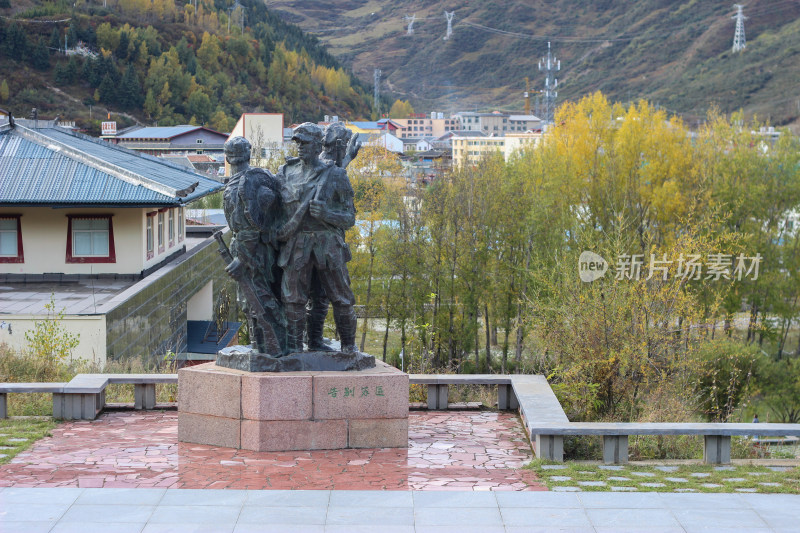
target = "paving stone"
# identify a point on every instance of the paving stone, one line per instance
(758, 473)
(780, 468)
(685, 490)
(746, 490)
(700, 474)
(587, 473)
(723, 468)
(618, 478)
(3, 455)
(6, 447)
(448, 451)
(770, 484)
(643, 474)
(553, 467)
(592, 483)
(566, 489)
(667, 468)
(711, 485)
(611, 467)
(559, 478)
(734, 480)
(624, 489)
(17, 440)
(677, 479)
(652, 485)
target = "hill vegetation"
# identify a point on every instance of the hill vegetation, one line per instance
(676, 53)
(166, 62)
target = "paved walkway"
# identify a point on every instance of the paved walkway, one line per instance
(239, 511)
(447, 451)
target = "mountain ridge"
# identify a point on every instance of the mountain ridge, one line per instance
(674, 53)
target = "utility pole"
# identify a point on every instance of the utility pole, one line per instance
(411, 20)
(527, 96)
(550, 65)
(376, 97)
(449, 16)
(738, 37)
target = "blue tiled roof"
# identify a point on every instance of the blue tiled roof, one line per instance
(54, 167)
(158, 132)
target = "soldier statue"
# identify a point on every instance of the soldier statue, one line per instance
(317, 201)
(252, 207)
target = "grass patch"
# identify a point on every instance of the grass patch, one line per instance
(19, 434)
(678, 478)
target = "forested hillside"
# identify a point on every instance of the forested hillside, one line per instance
(165, 62)
(673, 52)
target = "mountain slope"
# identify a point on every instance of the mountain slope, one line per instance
(163, 61)
(675, 53)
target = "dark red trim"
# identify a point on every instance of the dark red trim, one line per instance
(20, 258)
(112, 255)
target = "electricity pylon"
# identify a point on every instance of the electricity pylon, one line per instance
(738, 37)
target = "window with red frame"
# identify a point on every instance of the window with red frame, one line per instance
(181, 224)
(160, 231)
(150, 239)
(90, 239)
(171, 226)
(11, 239)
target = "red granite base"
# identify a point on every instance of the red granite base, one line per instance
(264, 411)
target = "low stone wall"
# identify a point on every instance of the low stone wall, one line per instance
(149, 319)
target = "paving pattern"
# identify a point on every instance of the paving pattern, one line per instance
(478, 451)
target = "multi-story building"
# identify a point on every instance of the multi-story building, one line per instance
(162, 140)
(422, 125)
(497, 123)
(469, 147)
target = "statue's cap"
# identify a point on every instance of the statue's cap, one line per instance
(307, 131)
(237, 146)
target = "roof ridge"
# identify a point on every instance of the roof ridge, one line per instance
(98, 164)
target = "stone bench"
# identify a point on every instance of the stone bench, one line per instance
(716, 436)
(438, 387)
(84, 397)
(6, 388)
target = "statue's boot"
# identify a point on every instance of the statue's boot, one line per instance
(346, 323)
(315, 318)
(295, 327)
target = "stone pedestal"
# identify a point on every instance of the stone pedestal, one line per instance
(281, 411)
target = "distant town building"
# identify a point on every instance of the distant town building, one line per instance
(422, 125)
(161, 140)
(497, 123)
(469, 147)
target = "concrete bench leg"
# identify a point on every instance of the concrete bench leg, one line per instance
(77, 406)
(506, 399)
(437, 396)
(550, 447)
(144, 395)
(3, 406)
(716, 449)
(615, 448)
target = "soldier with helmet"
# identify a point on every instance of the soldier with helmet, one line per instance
(318, 205)
(252, 207)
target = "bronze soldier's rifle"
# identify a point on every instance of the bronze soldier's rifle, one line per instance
(249, 291)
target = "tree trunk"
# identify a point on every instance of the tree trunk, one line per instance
(488, 338)
(369, 291)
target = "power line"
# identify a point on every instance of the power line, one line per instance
(31, 21)
(544, 37)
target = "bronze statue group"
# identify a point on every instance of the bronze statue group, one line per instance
(288, 249)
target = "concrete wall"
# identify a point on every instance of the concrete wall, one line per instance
(91, 329)
(149, 319)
